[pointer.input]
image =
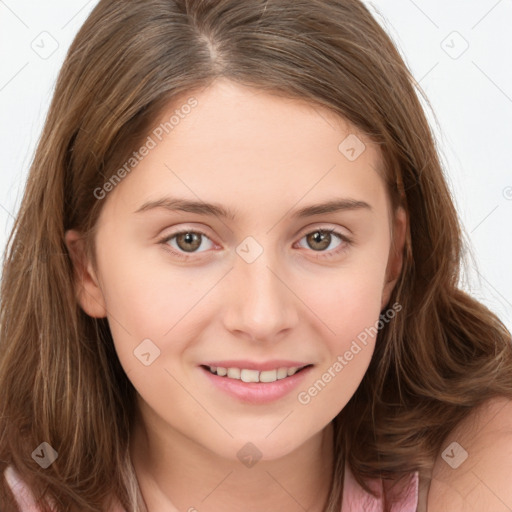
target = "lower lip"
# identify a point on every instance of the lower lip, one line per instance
(257, 392)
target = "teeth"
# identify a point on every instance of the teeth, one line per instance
(250, 375)
(254, 375)
(234, 373)
(282, 373)
(268, 376)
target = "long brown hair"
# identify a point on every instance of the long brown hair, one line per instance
(60, 379)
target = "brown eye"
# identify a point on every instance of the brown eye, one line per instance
(183, 242)
(319, 240)
(188, 241)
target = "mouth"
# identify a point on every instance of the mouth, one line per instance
(256, 386)
(254, 375)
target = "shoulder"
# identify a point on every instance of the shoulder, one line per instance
(472, 471)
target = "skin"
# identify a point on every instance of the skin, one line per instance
(480, 482)
(263, 156)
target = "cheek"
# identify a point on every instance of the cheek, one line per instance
(348, 306)
(346, 301)
(352, 312)
(145, 300)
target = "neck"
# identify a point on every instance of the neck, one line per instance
(175, 473)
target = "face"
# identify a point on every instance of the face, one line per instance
(272, 284)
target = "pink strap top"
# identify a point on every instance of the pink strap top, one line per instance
(355, 498)
(22, 494)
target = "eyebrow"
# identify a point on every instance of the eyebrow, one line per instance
(202, 208)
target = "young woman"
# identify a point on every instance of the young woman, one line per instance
(233, 280)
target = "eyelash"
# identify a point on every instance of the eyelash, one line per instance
(328, 254)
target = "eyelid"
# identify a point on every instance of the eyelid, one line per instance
(325, 227)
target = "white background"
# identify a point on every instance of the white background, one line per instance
(470, 92)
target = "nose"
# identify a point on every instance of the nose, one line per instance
(261, 305)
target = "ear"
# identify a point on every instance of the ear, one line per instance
(395, 259)
(87, 289)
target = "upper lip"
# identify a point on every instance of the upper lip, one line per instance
(260, 366)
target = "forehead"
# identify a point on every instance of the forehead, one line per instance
(258, 122)
(238, 146)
